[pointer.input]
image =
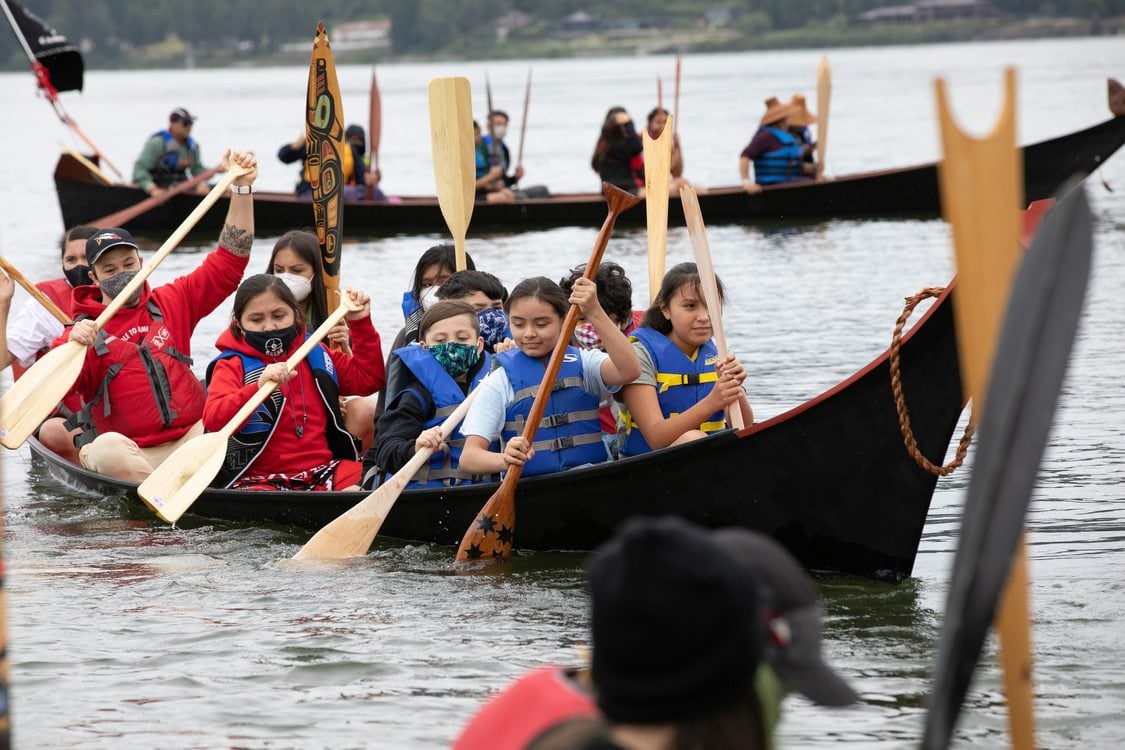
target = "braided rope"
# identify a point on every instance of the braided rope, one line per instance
(900, 399)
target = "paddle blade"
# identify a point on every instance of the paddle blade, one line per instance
(492, 531)
(451, 132)
(1031, 357)
(351, 534)
(658, 160)
(33, 397)
(181, 478)
(823, 100)
(324, 143)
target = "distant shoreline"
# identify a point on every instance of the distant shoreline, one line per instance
(173, 54)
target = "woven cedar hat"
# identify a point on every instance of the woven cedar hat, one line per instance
(776, 111)
(801, 115)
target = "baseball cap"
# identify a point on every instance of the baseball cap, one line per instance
(179, 114)
(106, 239)
(793, 617)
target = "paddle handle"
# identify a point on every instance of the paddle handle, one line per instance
(125, 215)
(94, 169)
(411, 467)
(523, 121)
(676, 97)
(346, 306)
(699, 243)
(34, 291)
(170, 244)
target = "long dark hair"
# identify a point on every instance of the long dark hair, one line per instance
(600, 148)
(680, 275)
(307, 247)
(539, 287)
(255, 286)
(438, 255)
(80, 232)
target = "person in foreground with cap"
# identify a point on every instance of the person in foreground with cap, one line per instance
(777, 155)
(697, 635)
(143, 400)
(169, 156)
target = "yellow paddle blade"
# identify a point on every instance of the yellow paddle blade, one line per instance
(451, 133)
(179, 480)
(658, 160)
(33, 397)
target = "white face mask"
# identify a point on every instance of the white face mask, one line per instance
(499, 132)
(428, 298)
(299, 285)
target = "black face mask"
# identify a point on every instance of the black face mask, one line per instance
(271, 343)
(78, 276)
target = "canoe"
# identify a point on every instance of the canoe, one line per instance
(908, 191)
(830, 479)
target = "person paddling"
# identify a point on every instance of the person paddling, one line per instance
(170, 156)
(447, 362)
(776, 154)
(143, 400)
(296, 440)
(684, 384)
(570, 434)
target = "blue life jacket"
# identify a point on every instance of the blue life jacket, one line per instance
(483, 161)
(780, 165)
(246, 444)
(681, 383)
(174, 164)
(446, 395)
(409, 303)
(570, 433)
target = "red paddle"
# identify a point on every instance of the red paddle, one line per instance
(491, 532)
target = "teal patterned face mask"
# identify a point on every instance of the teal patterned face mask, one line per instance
(454, 357)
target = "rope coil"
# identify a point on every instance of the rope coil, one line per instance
(900, 399)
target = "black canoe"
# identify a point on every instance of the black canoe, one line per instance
(831, 478)
(909, 191)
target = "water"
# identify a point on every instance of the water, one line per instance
(126, 633)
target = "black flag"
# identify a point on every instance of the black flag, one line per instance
(48, 48)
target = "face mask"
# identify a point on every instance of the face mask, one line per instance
(114, 285)
(428, 298)
(271, 343)
(499, 132)
(454, 357)
(587, 336)
(78, 276)
(493, 326)
(299, 285)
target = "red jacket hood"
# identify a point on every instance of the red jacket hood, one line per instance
(88, 300)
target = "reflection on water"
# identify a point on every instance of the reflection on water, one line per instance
(126, 632)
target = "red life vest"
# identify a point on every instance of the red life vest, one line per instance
(524, 709)
(149, 393)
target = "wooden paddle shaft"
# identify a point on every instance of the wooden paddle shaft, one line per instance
(658, 165)
(94, 169)
(676, 96)
(698, 234)
(523, 121)
(170, 244)
(823, 100)
(125, 215)
(34, 291)
(346, 306)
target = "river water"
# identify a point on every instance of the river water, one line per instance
(126, 633)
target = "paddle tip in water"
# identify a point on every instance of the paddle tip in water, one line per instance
(488, 538)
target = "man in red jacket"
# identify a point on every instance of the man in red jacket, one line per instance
(143, 400)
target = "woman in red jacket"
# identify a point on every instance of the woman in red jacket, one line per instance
(296, 440)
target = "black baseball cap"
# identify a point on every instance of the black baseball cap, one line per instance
(106, 239)
(179, 114)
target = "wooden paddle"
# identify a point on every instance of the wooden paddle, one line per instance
(375, 121)
(980, 181)
(491, 533)
(324, 143)
(698, 234)
(676, 98)
(34, 291)
(659, 93)
(823, 99)
(176, 483)
(94, 169)
(451, 133)
(351, 533)
(36, 394)
(658, 172)
(523, 121)
(124, 216)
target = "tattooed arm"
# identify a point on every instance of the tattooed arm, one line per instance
(238, 231)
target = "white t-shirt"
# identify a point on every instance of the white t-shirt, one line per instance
(32, 329)
(488, 413)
